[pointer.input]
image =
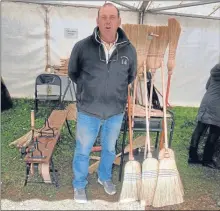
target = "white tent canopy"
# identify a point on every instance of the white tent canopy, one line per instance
(209, 9)
(34, 35)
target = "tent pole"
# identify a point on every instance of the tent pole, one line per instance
(47, 36)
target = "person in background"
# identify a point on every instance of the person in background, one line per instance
(102, 65)
(208, 117)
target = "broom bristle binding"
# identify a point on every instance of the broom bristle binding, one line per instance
(164, 151)
(131, 183)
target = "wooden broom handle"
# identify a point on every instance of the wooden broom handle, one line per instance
(131, 157)
(133, 103)
(167, 104)
(168, 88)
(147, 142)
(137, 94)
(141, 91)
(164, 105)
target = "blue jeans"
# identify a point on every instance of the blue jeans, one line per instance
(87, 130)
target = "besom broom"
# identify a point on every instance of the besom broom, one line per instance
(132, 170)
(169, 187)
(174, 30)
(150, 164)
(174, 35)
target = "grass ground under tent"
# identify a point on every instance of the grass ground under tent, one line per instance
(202, 185)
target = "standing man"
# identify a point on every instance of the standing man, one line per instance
(102, 65)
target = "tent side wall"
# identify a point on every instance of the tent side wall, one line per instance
(24, 43)
(81, 20)
(198, 51)
(24, 46)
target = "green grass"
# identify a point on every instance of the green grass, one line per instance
(197, 180)
(15, 123)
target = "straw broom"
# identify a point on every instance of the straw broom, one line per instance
(145, 37)
(174, 34)
(153, 58)
(137, 35)
(142, 45)
(131, 30)
(168, 190)
(156, 53)
(150, 164)
(174, 31)
(132, 171)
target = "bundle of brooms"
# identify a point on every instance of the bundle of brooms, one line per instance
(156, 53)
(173, 191)
(150, 165)
(139, 37)
(155, 57)
(169, 189)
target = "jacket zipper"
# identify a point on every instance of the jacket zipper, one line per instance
(106, 79)
(108, 69)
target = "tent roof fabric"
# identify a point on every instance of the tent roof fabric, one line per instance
(203, 9)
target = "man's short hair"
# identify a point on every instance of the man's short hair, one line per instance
(109, 4)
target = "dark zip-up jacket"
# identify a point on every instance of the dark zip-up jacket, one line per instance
(209, 111)
(102, 87)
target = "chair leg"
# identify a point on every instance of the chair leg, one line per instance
(157, 137)
(171, 133)
(36, 105)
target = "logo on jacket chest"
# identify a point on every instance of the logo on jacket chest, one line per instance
(124, 60)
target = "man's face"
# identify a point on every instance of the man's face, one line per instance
(108, 21)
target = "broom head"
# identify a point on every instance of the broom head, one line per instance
(169, 153)
(138, 36)
(143, 43)
(152, 61)
(131, 182)
(174, 34)
(158, 47)
(169, 186)
(150, 168)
